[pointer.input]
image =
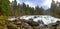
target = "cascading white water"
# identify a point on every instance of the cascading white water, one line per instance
(47, 19)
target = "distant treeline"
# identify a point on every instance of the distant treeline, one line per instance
(16, 9)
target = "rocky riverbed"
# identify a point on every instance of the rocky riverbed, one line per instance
(30, 23)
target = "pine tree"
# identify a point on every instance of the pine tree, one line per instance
(5, 7)
(14, 7)
(55, 9)
(38, 11)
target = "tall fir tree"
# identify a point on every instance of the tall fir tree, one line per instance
(14, 7)
(5, 7)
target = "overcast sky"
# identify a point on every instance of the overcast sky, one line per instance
(32, 3)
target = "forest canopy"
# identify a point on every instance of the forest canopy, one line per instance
(16, 9)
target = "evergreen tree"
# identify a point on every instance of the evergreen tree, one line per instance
(14, 7)
(24, 8)
(55, 9)
(0, 6)
(19, 9)
(38, 10)
(4, 7)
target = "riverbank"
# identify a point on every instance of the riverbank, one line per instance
(25, 24)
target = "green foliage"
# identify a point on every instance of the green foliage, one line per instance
(5, 7)
(55, 9)
(23, 9)
(39, 11)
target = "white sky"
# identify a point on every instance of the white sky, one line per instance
(11, 0)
